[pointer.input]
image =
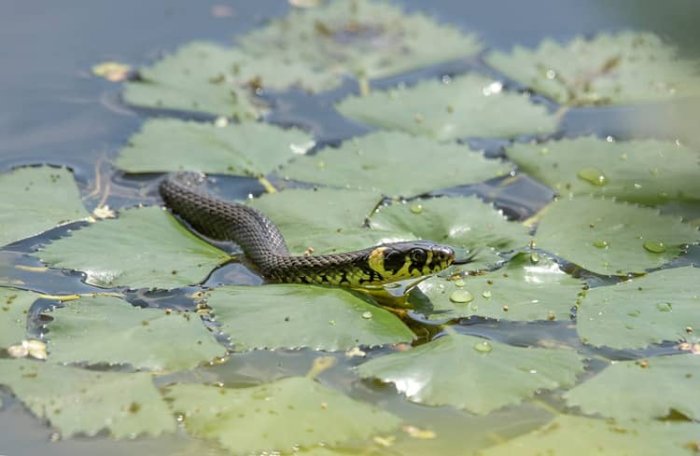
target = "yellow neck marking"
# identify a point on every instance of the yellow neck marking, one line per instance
(376, 260)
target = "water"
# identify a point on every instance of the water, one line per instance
(53, 111)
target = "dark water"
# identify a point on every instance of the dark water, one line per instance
(53, 111)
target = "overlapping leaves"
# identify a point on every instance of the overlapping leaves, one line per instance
(14, 306)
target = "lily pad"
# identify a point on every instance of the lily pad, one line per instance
(77, 401)
(47, 197)
(525, 290)
(473, 373)
(466, 223)
(467, 106)
(612, 238)
(394, 163)
(144, 247)
(661, 306)
(277, 417)
(362, 39)
(14, 305)
(639, 390)
(108, 330)
(295, 316)
(249, 149)
(325, 220)
(628, 67)
(645, 171)
(580, 436)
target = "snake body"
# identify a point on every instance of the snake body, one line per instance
(263, 243)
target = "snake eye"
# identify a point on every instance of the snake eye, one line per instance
(418, 256)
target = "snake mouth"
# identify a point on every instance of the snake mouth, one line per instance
(468, 259)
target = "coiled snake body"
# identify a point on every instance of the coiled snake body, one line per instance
(264, 245)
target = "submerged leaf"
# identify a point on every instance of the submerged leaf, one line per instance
(366, 39)
(575, 435)
(611, 238)
(77, 401)
(277, 417)
(144, 247)
(394, 163)
(645, 171)
(661, 306)
(473, 373)
(104, 329)
(469, 106)
(47, 197)
(628, 67)
(524, 290)
(466, 223)
(14, 305)
(641, 390)
(296, 316)
(248, 149)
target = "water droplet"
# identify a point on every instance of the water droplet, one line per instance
(664, 306)
(416, 208)
(600, 243)
(367, 315)
(534, 258)
(483, 346)
(544, 151)
(486, 294)
(459, 283)
(654, 247)
(550, 74)
(634, 313)
(461, 296)
(593, 176)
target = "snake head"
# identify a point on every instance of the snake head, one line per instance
(404, 260)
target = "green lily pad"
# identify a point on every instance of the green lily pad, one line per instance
(579, 436)
(627, 67)
(14, 305)
(630, 390)
(661, 306)
(144, 247)
(296, 316)
(469, 106)
(277, 417)
(361, 39)
(612, 238)
(325, 220)
(467, 223)
(249, 149)
(47, 197)
(77, 401)
(394, 163)
(647, 171)
(474, 374)
(525, 290)
(200, 77)
(108, 330)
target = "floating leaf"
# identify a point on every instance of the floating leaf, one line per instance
(14, 305)
(661, 306)
(395, 163)
(469, 106)
(362, 39)
(104, 329)
(144, 247)
(325, 220)
(251, 149)
(639, 390)
(473, 373)
(628, 67)
(467, 223)
(606, 237)
(647, 171)
(295, 316)
(277, 417)
(524, 290)
(77, 401)
(575, 435)
(47, 197)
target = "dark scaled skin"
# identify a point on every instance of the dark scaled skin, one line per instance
(264, 245)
